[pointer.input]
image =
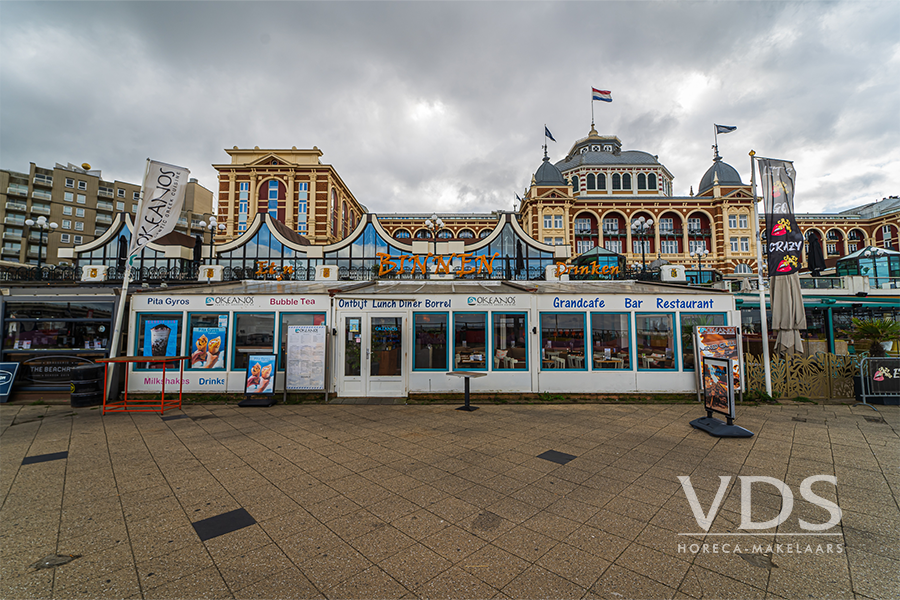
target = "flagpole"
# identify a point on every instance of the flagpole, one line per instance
(123, 295)
(592, 107)
(763, 320)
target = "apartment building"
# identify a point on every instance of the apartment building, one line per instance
(81, 204)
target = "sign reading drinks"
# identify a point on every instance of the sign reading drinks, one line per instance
(305, 357)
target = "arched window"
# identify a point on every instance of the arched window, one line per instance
(591, 181)
(617, 181)
(651, 181)
(423, 234)
(742, 268)
(574, 183)
(344, 218)
(484, 233)
(335, 209)
(466, 234)
(444, 234)
(601, 181)
(642, 181)
(401, 234)
(626, 181)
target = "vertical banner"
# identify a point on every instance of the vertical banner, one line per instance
(163, 198)
(784, 241)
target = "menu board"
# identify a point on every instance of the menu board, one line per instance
(305, 360)
(719, 341)
(718, 393)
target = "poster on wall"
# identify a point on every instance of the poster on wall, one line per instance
(305, 358)
(260, 374)
(160, 337)
(721, 341)
(208, 348)
(718, 388)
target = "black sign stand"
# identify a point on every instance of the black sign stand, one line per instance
(710, 424)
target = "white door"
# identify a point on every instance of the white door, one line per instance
(374, 353)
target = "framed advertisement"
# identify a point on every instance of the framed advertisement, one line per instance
(718, 385)
(305, 357)
(208, 348)
(719, 341)
(260, 374)
(161, 337)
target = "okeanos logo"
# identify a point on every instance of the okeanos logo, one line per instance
(229, 300)
(491, 300)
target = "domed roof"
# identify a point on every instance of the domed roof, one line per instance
(726, 174)
(548, 174)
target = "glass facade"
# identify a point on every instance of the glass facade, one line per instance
(430, 352)
(253, 334)
(510, 341)
(469, 341)
(295, 320)
(655, 341)
(611, 341)
(562, 340)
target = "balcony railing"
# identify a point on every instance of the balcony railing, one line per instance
(34, 253)
(699, 231)
(12, 235)
(16, 206)
(44, 180)
(106, 193)
(15, 190)
(14, 221)
(11, 250)
(40, 209)
(671, 232)
(41, 195)
(821, 283)
(614, 232)
(586, 231)
(103, 219)
(101, 205)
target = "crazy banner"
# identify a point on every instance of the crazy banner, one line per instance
(784, 241)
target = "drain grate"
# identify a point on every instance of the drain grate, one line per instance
(557, 457)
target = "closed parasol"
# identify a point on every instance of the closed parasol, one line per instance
(788, 314)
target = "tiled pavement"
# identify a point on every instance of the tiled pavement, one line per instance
(427, 501)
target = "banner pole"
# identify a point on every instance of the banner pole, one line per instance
(763, 320)
(123, 295)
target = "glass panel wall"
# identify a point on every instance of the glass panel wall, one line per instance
(208, 338)
(469, 341)
(253, 334)
(158, 334)
(611, 341)
(510, 341)
(295, 320)
(655, 341)
(431, 341)
(562, 341)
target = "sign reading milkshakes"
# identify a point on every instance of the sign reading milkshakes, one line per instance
(164, 189)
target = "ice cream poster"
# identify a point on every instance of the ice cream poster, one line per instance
(208, 348)
(260, 374)
(160, 337)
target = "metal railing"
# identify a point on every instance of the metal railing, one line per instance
(41, 195)
(104, 205)
(17, 206)
(15, 190)
(44, 180)
(40, 209)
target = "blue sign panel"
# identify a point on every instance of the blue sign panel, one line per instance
(7, 376)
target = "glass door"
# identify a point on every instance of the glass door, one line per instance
(386, 356)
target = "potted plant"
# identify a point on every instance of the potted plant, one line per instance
(880, 333)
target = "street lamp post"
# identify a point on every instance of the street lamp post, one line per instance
(213, 228)
(434, 224)
(700, 253)
(42, 225)
(640, 227)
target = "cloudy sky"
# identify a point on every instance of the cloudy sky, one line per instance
(441, 106)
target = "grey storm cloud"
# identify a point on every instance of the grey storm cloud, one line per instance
(441, 105)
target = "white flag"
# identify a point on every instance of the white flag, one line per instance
(163, 197)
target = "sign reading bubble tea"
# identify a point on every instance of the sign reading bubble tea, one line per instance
(305, 357)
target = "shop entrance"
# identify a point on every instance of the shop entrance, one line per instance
(374, 355)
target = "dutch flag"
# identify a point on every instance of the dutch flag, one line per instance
(602, 95)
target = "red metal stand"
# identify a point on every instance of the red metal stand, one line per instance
(143, 405)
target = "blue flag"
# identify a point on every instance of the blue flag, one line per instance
(548, 134)
(725, 128)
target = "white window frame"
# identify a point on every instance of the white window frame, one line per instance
(79, 225)
(64, 238)
(734, 244)
(548, 221)
(732, 221)
(120, 206)
(69, 196)
(70, 183)
(742, 221)
(745, 244)
(668, 246)
(557, 221)
(81, 199)
(66, 224)
(82, 185)
(78, 239)
(79, 212)
(667, 224)
(120, 193)
(613, 246)
(610, 224)
(67, 210)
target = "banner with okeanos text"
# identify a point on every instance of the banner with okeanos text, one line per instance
(161, 203)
